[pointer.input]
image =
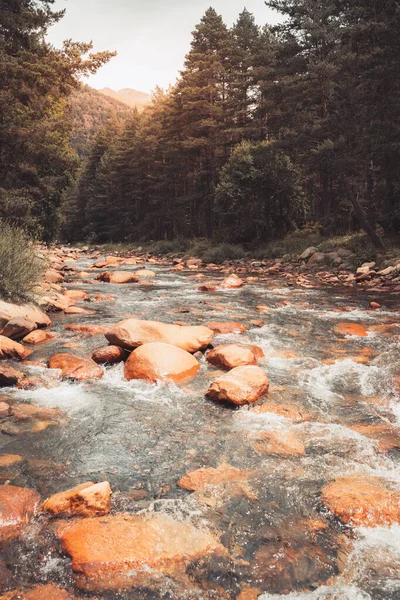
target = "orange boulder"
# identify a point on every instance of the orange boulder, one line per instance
(116, 553)
(109, 355)
(158, 361)
(118, 277)
(229, 356)
(85, 500)
(231, 282)
(362, 500)
(76, 367)
(241, 386)
(133, 333)
(10, 376)
(11, 349)
(18, 327)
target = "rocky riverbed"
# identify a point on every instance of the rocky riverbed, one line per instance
(171, 429)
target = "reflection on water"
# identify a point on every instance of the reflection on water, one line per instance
(143, 438)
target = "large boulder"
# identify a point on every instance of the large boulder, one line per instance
(363, 501)
(18, 327)
(119, 552)
(158, 362)
(85, 500)
(118, 277)
(10, 311)
(308, 253)
(241, 386)
(229, 356)
(11, 349)
(133, 333)
(76, 367)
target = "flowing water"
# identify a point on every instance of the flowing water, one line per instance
(281, 541)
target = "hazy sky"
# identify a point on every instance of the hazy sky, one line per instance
(150, 36)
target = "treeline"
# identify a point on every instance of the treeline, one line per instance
(37, 162)
(265, 129)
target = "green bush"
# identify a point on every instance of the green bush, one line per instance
(169, 246)
(20, 267)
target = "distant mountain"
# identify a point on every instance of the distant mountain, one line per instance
(132, 98)
(90, 110)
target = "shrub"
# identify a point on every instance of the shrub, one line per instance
(20, 267)
(169, 246)
(222, 252)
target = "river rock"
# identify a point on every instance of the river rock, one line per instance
(144, 274)
(76, 295)
(280, 443)
(158, 361)
(316, 259)
(17, 507)
(231, 282)
(118, 277)
(5, 409)
(10, 459)
(10, 376)
(11, 349)
(353, 329)
(209, 476)
(241, 386)
(226, 327)
(109, 355)
(89, 330)
(229, 356)
(308, 253)
(27, 311)
(85, 500)
(118, 552)
(41, 592)
(133, 333)
(53, 276)
(18, 327)
(75, 367)
(39, 337)
(362, 500)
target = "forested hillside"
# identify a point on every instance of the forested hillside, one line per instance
(90, 110)
(132, 98)
(37, 162)
(266, 129)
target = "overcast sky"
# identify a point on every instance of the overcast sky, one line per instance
(150, 36)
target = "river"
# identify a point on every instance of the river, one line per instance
(281, 541)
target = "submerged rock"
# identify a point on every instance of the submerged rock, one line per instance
(209, 476)
(362, 500)
(11, 349)
(133, 333)
(229, 356)
(241, 386)
(85, 500)
(280, 443)
(226, 327)
(115, 553)
(353, 329)
(41, 592)
(75, 367)
(17, 507)
(158, 362)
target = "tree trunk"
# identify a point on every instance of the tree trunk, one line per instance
(362, 217)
